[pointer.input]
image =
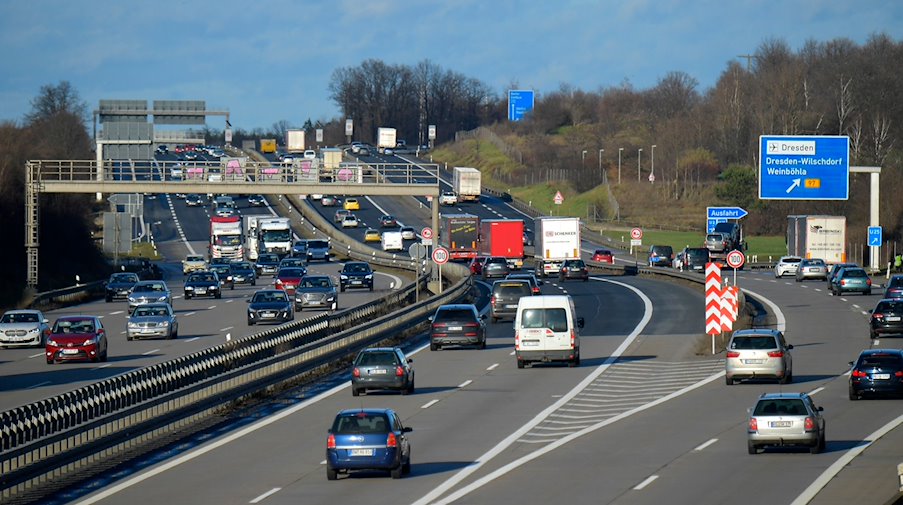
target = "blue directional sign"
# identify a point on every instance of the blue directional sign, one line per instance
(804, 167)
(520, 102)
(711, 222)
(725, 213)
(875, 236)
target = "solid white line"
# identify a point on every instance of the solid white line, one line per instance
(227, 328)
(816, 391)
(150, 352)
(843, 461)
(429, 404)
(39, 385)
(264, 496)
(779, 315)
(856, 306)
(705, 444)
(190, 313)
(493, 366)
(645, 483)
(191, 339)
(36, 355)
(461, 385)
(102, 366)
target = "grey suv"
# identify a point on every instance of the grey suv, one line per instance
(505, 295)
(758, 353)
(457, 324)
(382, 368)
(782, 419)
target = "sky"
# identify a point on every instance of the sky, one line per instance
(267, 61)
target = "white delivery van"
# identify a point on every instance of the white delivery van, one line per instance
(392, 241)
(546, 330)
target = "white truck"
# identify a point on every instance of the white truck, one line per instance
(466, 184)
(294, 141)
(275, 235)
(817, 237)
(251, 237)
(556, 239)
(225, 237)
(385, 139)
(392, 241)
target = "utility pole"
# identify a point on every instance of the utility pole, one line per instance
(749, 58)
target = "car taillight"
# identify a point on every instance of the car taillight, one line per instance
(843, 282)
(278, 283)
(516, 341)
(356, 372)
(809, 425)
(330, 442)
(391, 441)
(437, 326)
(492, 300)
(535, 291)
(775, 354)
(859, 373)
(471, 325)
(868, 282)
(733, 354)
(898, 374)
(753, 424)
(573, 339)
(399, 371)
(878, 315)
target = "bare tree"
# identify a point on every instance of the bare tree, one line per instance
(53, 100)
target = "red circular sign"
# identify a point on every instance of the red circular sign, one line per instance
(636, 233)
(735, 259)
(440, 255)
(427, 233)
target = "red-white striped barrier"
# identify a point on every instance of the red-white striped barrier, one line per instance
(713, 323)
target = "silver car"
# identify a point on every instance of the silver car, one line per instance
(758, 353)
(23, 328)
(787, 265)
(316, 292)
(785, 419)
(152, 320)
(814, 268)
(149, 292)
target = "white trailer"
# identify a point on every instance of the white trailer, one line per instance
(817, 237)
(251, 237)
(556, 239)
(385, 139)
(466, 183)
(294, 141)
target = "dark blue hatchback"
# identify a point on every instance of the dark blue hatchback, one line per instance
(367, 439)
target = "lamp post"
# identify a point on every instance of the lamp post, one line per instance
(582, 158)
(639, 156)
(604, 179)
(652, 174)
(620, 150)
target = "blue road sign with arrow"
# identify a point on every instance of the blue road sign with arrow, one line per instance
(875, 236)
(520, 102)
(804, 167)
(715, 215)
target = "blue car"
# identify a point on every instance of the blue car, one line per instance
(367, 439)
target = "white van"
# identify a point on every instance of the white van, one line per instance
(546, 330)
(392, 241)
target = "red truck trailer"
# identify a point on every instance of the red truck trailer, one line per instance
(505, 238)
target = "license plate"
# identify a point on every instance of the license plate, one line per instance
(510, 306)
(780, 424)
(355, 282)
(268, 314)
(70, 351)
(893, 318)
(147, 330)
(754, 361)
(378, 371)
(531, 342)
(455, 328)
(201, 291)
(884, 376)
(361, 452)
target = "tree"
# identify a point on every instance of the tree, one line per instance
(737, 186)
(53, 100)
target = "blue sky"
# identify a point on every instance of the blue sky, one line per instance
(267, 61)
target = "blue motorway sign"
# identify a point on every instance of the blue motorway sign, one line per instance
(804, 167)
(725, 213)
(875, 236)
(520, 102)
(711, 222)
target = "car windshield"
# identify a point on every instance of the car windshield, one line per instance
(377, 358)
(202, 278)
(241, 265)
(20, 317)
(880, 360)
(228, 240)
(356, 268)
(194, 258)
(220, 269)
(697, 254)
(895, 282)
(895, 307)
(753, 342)
(574, 263)
(858, 273)
(74, 326)
(791, 260)
(148, 287)
(553, 319)
(149, 311)
(454, 315)
(815, 262)
(268, 258)
(661, 250)
(291, 272)
(317, 244)
(512, 289)
(315, 282)
(269, 297)
(780, 406)
(361, 422)
(602, 252)
(124, 278)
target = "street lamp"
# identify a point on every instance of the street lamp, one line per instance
(620, 150)
(582, 157)
(604, 179)
(652, 174)
(639, 156)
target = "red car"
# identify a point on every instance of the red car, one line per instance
(288, 278)
(76, 338)
(476, 264)
(603, 256)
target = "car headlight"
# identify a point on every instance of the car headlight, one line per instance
(132, 299)
(189, 288)
(34, 330)
(165, 324)
(90, 341)
(330, 298)
(343, 277)
(163, 298)
(368, 277)
(52, 343)
(252, 313)
(133, 324)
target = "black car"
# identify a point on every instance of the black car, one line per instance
(119, 285)
(243, 273)
(495, 267)
(886, 318)
(194, 200)
(877, 372)
(504, 297)
(144, 267)
(695, 258)
(388, 221)
(224, 273)
(457, 324)
(573, 269)
(894, 287)
(256, 201)
(267, 263)
(270, 306)
(291, 261)
(356, 274)
(382, 368)
(204, 283)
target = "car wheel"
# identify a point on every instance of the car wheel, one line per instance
(232, 286)
(483, 344)
(342, 289)
(434, 347)
(187, 296)
(822, 442)
(410, 389)
(355, 392)
(331, 474)
(798, 279)
(254, 282)
(784, 379)
(751, 448)
(406, 468)
(854, 396)
(218, 296)
(815, 449)
(108, 299)
(398, 471)
(371, 287)
(128, 337)
(729, 381)
(867, 293)
(520, 363)
(495, 319)
(250, 323)
(873, 335)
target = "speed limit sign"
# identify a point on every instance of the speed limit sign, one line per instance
(735, 259)
(440, 255)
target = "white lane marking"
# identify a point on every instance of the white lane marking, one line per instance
(102, 366)
(122, 332)
(818, 289)
(190, 313)
(856, 306)
(36, 355)
(816, 391)
(492, 366)
(264, 496)
(843, 299)
(454, 480)
(33, 386)
(778, 314)
(429, 404)
(323, 462)
(211, 307)
(705, 444)
(116, 313)
(229, 301)
(809, 493)
(150, 352)
(461, 385)
(227, 328)
(192, 339)
(512, 353)
(645, 483)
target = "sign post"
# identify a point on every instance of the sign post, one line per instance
(440, 256)
(636, 240)
(735, 260)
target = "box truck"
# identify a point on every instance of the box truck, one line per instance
(275, 235)
(294, 141)
(466, 184)
(556, 239)
(505, 238)
(268, 145)
(225, 237)
(385, 139)
(460, 234)
(817, 237)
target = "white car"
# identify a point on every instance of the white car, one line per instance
(24, 328)
(408, 233)
(448, 198)
(310, 155)
(350, 221)
(787, 265)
